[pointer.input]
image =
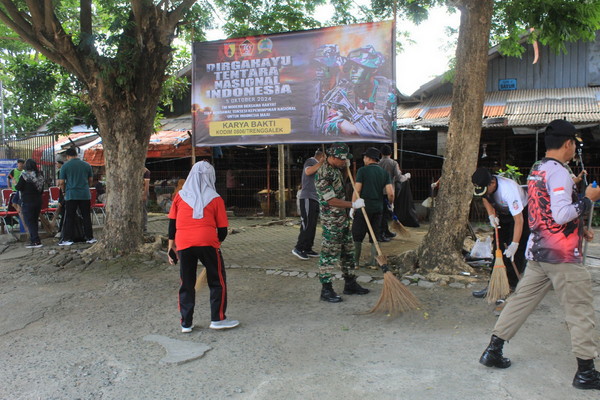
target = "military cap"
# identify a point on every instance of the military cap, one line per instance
(339, 150)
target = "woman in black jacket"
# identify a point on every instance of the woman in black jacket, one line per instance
(31, 186)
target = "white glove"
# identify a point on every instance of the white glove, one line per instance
(359, 203)
(407, 175)
(511, 250)
(351, 214)
(494, 221)
(390, 207)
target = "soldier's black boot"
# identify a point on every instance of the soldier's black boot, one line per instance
(586, 377)
(328, 294)
(352, 287)
(480, 294)
(492, 356)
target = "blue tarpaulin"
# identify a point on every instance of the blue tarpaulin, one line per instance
(5, 167)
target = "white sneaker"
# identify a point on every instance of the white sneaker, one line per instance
(65, 243)
(187, 330)
(34, 245)
(91, 241)
(224, 324)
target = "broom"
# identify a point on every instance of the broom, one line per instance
(498, 287)
(395, 296)
(201, 281)
(396, 225)
(517, 273)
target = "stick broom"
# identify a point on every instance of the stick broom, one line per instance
(201, 281)
(395, 296)
(498, 287)
(396, 225)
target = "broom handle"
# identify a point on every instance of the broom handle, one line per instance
(497, 242)
(514, 266)
(585, 243)
(365, 214)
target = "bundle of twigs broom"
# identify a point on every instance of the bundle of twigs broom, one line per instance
(395, 297)
(498, 287)
(201, 281)
(396, 225)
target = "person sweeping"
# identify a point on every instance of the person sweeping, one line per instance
(336, 246)
(371, 182)
(506, 205)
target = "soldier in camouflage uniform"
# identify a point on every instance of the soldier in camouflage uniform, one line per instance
(337, 246)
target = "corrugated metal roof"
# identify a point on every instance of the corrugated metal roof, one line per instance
(181, 123)
(438, 112)
(511, 108)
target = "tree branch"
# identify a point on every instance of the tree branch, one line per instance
(48, 14)
(28, 36)
(37, 14)
(177, 13)
(18, 18)
(85, 17)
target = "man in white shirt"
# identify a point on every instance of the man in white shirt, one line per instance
(506, 204)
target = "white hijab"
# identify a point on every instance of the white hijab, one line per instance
(199, 188)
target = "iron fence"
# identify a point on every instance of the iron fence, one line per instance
(40, 148)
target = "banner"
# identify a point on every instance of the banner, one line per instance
(5, 167)
(317, 86)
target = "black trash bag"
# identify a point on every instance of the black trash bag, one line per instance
(404, 206)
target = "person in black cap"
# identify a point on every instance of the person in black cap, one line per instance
(554, 258)
(506, 204)
(398, 180)
(309, 207)
(371, 182)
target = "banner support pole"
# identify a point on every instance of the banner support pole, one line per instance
(394, 122)
(281, 168)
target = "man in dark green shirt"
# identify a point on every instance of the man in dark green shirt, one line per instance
(371, 180)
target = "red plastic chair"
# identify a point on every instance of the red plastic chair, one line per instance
(6, 195)
(95, 206)
(46, 211)
(54, 193)
(7, 209)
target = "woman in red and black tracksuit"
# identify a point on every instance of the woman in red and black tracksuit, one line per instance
(197, 226)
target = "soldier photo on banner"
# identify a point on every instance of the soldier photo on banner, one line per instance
(321, 85)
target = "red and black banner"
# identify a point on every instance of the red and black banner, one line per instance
(317, 86)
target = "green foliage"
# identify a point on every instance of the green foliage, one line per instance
(37, 91)
(255, 17)
(554, 23)
(511, 172)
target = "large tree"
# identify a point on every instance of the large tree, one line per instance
(119, 51)
(122, 68)
(553, 22)
(441, 246)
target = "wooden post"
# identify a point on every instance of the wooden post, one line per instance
(281, 176)
(193, 147)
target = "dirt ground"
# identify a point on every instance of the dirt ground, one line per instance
(74, 330)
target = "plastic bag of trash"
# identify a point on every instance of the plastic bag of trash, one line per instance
(482, 248)
(427, 203)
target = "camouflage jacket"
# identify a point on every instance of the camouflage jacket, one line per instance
(329, 182)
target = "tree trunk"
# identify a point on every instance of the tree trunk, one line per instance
(125, 135)
(441, 246)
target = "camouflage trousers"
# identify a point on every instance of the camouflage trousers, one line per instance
(336, 247)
